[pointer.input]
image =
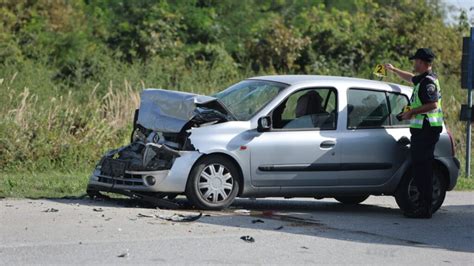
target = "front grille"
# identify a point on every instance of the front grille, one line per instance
(113, 167)
(128, 180)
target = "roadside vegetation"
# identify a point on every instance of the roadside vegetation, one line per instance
(71, 71)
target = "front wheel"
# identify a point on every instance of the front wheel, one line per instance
(408, 196)
(213, 183)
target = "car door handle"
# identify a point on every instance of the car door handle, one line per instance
(327, 144)
(404, 141)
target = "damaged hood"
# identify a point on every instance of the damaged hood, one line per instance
(168, 111)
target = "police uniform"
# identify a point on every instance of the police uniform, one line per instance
(425, 131)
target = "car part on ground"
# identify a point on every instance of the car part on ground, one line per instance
(95, 191)
(180, 218)
(248, 239)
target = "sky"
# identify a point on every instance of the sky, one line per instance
(458, 4)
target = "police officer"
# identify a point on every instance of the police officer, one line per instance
(426, 123)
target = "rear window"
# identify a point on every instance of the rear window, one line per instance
(367, 109)
(374, 109)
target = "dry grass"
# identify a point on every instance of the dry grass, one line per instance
(41, 133)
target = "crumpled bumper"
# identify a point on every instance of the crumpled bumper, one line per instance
(170, 181)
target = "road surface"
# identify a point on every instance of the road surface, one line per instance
(296, 231)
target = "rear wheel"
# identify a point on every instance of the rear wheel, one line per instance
(213, 183)
(408, 196)
(351, 200)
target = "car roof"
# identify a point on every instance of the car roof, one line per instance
(296, 79)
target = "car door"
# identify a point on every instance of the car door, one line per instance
(376, 143)
(302, 148)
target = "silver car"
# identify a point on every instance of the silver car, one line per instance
(275, 136)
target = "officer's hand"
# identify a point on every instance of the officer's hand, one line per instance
(389, 67)
(406, 115)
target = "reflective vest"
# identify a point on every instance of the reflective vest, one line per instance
(435, 116)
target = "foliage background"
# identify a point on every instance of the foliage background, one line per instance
(71, 71)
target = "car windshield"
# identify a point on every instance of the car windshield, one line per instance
(247, 97)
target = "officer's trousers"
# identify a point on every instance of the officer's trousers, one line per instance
(422, 148)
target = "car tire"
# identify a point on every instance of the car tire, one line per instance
(213, 183)
(407, 193)
(351, 200)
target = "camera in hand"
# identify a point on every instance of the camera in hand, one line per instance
(405, 109)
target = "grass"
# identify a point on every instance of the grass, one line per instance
(42, 185)
(465, 184)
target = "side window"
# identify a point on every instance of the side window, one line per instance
(397, 102)
(308, 108)
(367, 109)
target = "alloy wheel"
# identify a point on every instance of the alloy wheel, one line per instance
(215, 183)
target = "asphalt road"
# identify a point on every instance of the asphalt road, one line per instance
(296, 231)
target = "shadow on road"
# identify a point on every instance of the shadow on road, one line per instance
(451, 228)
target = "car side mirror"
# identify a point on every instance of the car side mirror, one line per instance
(264, 123)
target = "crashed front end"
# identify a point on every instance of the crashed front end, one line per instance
(160, 154)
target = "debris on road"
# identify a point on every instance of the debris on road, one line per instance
(242, 211)
(180, 217)
(140, 215)
(51, 210)
(124, 255)
(279, 227)
(173, 218)
(98, 209)
(257, 221)
(248, 239)
(95, 192)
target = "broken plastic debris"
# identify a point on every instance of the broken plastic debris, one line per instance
(51, 210)
(248, 239)
(124, 255)
(180, 217)
(140, 215)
